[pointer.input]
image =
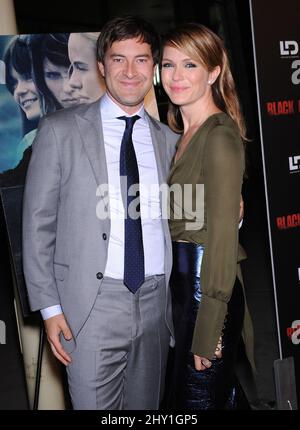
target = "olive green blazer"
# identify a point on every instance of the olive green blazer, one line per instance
(213, 164)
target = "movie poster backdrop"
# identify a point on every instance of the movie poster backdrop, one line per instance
(39, 74)
(276, 39)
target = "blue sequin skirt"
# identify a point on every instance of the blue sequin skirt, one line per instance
(215, 387)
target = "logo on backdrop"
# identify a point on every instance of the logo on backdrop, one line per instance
(288, 221)
(290, 49)
(293, 332)
(294, 164)
(2, 332)
(283, 107)
(296, 74)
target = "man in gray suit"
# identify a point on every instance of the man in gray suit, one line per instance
(101, 281)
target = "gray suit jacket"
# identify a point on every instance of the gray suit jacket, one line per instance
(64, 246)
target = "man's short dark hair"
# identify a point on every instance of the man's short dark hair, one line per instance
(127, 27)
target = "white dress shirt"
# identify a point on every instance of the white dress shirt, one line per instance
(153, 236)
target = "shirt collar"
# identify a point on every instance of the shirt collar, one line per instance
(110, 110)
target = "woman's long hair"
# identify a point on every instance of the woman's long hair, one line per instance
(54, 47)
(17, 56)
(204, 46)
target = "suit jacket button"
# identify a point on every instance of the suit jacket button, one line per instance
(99, 275)
(104, 236)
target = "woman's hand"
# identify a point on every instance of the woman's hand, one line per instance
(202, 363)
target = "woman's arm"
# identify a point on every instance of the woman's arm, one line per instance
(223, 174)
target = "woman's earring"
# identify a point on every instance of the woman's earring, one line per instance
(209, 82)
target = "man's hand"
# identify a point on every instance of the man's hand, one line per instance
(54, 326)
(202, 363)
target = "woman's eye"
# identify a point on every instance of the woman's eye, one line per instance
(165, 65)
(27, 77)
(190, 65)
(12, 83)
(53, 75)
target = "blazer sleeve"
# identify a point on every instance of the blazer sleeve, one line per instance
(41, 199)
(223, 175)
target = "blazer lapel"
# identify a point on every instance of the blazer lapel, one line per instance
(90, 129)
(159, 144)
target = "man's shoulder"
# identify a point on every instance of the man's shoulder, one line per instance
(69, 113)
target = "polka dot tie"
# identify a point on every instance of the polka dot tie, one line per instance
(134, 270)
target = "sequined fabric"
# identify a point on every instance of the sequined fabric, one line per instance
(214, 388)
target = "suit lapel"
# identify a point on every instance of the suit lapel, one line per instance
(90, 129)
(89, 124)
(159, 144)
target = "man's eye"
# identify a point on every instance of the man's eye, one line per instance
(117, 60)
(80, 66)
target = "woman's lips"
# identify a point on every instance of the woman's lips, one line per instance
(28, 102)
(69, 101)
(177, 89)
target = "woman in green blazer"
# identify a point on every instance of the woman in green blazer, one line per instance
(206, 176)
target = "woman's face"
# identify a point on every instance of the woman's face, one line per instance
(84, 74)
(184, 80)
(26, 95)
(57, 80)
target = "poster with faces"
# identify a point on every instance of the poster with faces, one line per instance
(39, 74)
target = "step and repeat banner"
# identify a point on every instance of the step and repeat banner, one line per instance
(276, 39)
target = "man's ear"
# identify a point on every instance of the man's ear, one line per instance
(101, 68)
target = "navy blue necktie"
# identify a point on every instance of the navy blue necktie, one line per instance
(134, 270)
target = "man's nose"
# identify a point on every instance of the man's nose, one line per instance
(67, 87)
(130, 69)
(74, 82)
